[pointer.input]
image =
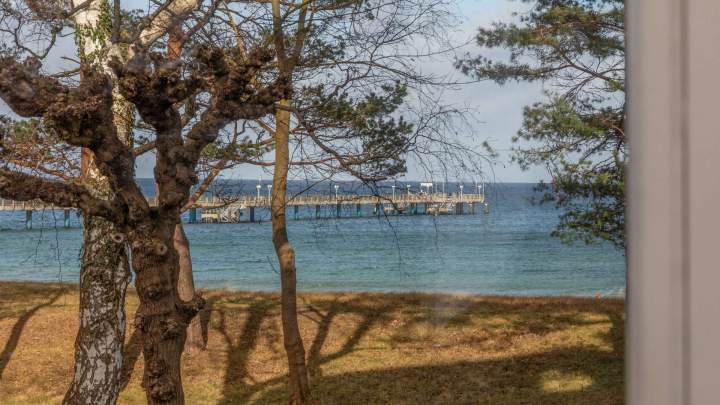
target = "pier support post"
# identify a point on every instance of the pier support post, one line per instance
(296, 212)
(377, 208)
(66, 218)
(252, 214)
(459, 208)
(413, 209)
(358, 210)
(317, 211)
(192, 216)
(338, 210)
(425, 208)
(28, 219)
(472, 208)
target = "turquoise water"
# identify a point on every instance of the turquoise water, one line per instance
(508, 251)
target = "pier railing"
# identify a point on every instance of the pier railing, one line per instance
(264, 201)
(403, 199)
(10, 205)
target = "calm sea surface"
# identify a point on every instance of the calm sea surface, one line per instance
(508, 251)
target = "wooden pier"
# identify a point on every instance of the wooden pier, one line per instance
(232, 208)
(218, 209)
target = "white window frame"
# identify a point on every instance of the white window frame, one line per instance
(673, 351)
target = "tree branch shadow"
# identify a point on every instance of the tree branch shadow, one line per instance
(371, 315)
(131, 354)
(236, 391)
(568, 375)
(239, 350)
(18, 327)
(391, 385)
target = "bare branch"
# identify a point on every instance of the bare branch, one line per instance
(24, 187)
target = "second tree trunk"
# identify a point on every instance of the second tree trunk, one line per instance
(186, 287)
(162, 317)
(299, 384)
(104, 277)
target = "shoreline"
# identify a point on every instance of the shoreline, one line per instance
(427, 294)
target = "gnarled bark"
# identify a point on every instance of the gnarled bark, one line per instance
(186, 283)
(162, 317)
(82, 116)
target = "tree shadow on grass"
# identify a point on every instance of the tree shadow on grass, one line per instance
(205, 315)
(238, 390)
(578, 374)
(574, 375)
(131, 354)
(549, 378)
(29, 295)
(371, 314)
(236, 387)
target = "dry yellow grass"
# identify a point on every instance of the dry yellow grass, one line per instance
(362, 349)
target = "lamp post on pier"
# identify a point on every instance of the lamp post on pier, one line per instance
(408, 189)
(258, 187)
(461, 192)
(336, 191)
(393, 188)
(269, 187)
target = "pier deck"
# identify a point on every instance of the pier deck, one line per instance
(399, 200)
(264, 202)
(229, 208)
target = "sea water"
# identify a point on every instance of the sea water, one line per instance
(508, 251)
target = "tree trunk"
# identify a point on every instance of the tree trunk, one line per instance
(299, 384)
(104, 277)
(162, 318)
(186, 283)
(186, 287)
(104, 267)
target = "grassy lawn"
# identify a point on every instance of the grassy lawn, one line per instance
(362, 349)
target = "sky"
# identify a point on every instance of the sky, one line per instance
(497, 110)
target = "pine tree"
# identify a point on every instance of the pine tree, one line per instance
(576, 47)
